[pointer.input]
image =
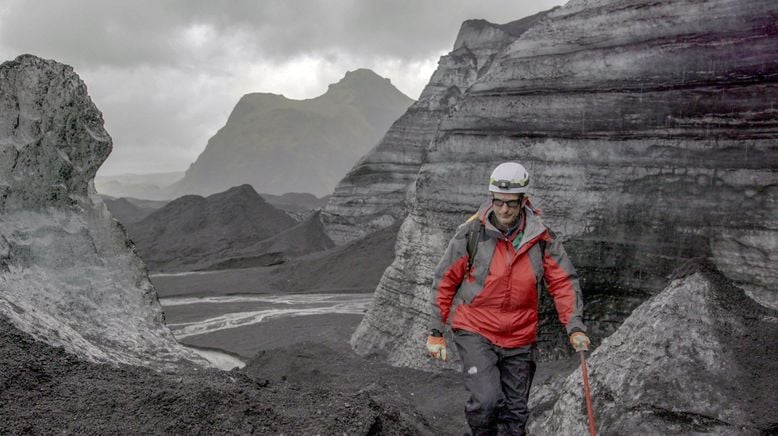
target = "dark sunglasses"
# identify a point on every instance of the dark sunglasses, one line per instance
(511, 203)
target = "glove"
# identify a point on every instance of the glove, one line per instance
(580, 341)
(436, 346)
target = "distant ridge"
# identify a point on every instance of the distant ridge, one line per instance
(280, 145)
(295, 203)
(150, 186)
(304, 238)
(193, 232)
(125, 210)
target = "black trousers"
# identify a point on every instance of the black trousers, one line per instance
(498, 380)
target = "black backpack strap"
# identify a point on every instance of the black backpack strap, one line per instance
(542, 243)
(473, 238)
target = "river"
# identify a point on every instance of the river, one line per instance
(191, 316)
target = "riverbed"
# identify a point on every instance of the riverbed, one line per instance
(227, 330)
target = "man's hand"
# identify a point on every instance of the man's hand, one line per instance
(580, 341)
(436, 346)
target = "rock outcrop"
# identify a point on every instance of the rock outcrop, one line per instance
(68, 275)
(372, 195)
(194, 232)
(279, 145)
(649, 130)
(697, 358)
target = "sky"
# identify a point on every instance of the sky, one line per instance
(166, 74)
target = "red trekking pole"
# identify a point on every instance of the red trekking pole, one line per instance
(587, 394)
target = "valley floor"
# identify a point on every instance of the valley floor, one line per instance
(304, 379)
(312, 350)
(301, 377)
(285, 391)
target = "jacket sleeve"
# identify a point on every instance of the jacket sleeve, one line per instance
(562, 282)
(448, 276)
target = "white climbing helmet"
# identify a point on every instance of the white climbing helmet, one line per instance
(509, 178)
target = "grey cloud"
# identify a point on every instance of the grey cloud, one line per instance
(167, 73)
(86, 32)
(404, 29)
(160, 112)
(113, 32)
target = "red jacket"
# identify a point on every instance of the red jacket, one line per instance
(498, 299)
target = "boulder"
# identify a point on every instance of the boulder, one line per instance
(68, 274)
(699, 357)
(52, 138)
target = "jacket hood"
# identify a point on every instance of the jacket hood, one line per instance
(533, 225)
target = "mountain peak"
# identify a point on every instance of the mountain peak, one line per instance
(362, 74)
(360, 80)
(245, 191)
(365, 88)
(243, 194)
(208, 229)
(280, 145)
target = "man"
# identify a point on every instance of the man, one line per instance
(491, 301)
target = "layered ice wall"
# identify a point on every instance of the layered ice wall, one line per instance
(649, 128)
(68, 274)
